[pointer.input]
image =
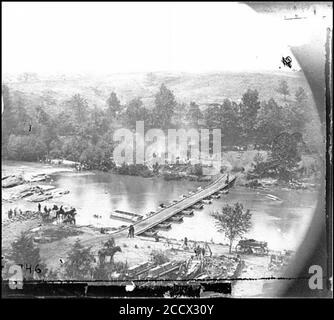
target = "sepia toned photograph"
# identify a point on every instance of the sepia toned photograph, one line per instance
(165, 149)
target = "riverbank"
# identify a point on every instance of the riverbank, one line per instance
(24, 184)
(57, 240)
(28, 170)
(168, 171)
(306, 175)
(265, 183)
(135, 194)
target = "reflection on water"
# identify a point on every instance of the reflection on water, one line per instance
(281, 224)
(102, 193)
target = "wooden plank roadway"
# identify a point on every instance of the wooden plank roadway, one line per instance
(172, 210)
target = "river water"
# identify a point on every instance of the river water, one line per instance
(282, 224)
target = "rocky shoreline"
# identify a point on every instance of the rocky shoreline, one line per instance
(275, 183)
(167, 172)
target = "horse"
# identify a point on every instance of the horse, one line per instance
(69, 219)
(71, 212)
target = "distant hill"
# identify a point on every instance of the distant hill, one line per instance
(201, 88)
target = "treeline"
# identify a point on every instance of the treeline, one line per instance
(83, 132)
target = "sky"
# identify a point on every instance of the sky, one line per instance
(114, 37)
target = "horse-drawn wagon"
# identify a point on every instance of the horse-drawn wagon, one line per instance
(251, 246)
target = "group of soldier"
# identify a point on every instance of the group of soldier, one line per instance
(13, 213)
(45, 209)
(59, 211)
(201, 251)
(48, 210)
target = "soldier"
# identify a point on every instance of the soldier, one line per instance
(208, 248)
(130, 232)
(197, 251)
(185, 243)
(195, 247)
(202, 253)
(61, 212)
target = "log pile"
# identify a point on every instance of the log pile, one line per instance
(222, 267)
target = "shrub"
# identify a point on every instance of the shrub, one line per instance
(25, 253)
(158, 257)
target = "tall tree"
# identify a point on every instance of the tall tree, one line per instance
(113, 106)
(97, 124)
(231, 127)
(213, 116)
(299, 110)
(135, 111)
(272, 120)
(283, 89)
(66, 123)
(79, 263)
(79, 106)
(73, 147)
(165, 104)
(8, 117)
(47, 127)
(194, 115)
(234, 221)
(249, 107)
(286, 152)
(21, 116)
